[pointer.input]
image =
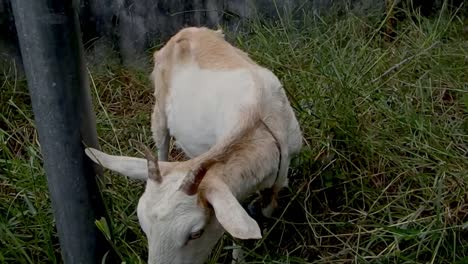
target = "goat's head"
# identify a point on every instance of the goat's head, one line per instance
(182, 216)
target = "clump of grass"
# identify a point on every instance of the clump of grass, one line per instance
(26, 235)
(382, 178)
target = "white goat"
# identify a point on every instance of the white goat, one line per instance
(233, 119)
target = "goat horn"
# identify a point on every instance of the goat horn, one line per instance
(153, 167)
(193, 179)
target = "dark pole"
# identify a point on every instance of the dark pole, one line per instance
(52, 52)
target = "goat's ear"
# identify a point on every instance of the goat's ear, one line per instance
(229, 212)
(135, 168)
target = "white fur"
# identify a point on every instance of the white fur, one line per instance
(203, 105)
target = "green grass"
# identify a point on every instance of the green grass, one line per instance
(383, 175)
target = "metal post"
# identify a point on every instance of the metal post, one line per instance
(52, 52)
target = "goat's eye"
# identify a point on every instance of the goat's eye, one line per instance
(196, 234)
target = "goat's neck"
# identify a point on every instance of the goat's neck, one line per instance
(250, 169)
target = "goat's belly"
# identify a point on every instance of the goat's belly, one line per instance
(204, 105)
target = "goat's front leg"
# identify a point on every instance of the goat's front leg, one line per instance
(160, 132)
(269, 196)
(269, 200)
(163, 147)
(264, 205)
